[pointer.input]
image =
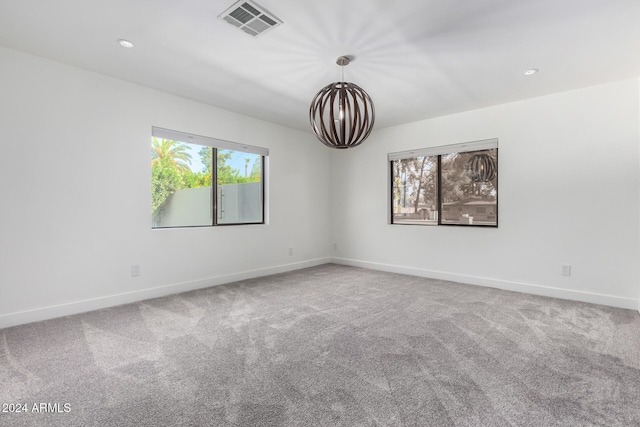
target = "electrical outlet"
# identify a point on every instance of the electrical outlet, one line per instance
(335, 246)
(566, 270)
(135, 270)
(290, 251)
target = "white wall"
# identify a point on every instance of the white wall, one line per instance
(568, 194)
(75, 199)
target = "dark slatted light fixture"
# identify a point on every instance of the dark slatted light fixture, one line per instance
(482, 168)
(342, 114)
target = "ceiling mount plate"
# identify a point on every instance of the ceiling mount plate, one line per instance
(343, 61)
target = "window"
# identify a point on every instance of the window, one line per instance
(450, 185)
(183, 173)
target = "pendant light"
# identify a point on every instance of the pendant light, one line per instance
(482, 168)
(342, 113)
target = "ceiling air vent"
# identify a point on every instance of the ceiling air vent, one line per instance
(250, 18)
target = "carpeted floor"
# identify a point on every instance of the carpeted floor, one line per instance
(328, 346)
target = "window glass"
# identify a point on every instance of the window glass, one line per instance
(448, 185)
(182, 176)
(181, 184)
(469, 188)
(415, 190)
(239, 190)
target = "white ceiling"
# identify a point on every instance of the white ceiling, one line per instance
(416, 58)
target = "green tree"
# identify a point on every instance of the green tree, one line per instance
(256, 170)
(170, 160)
(230, 175)
(173, 151)
(165, 180)
(196, 179)
(206, 157)
(226, 173)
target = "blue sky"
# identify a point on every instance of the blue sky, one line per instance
(237, 159)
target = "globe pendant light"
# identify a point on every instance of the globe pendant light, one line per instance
(342, 114)
(482, 168)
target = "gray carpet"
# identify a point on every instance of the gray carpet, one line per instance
(328, 346)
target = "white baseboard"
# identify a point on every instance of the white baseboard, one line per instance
(51, 312)
(547, 291)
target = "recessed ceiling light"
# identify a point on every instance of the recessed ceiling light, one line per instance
(125, 43)
(531, 71)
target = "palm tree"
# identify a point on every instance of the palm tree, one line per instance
(174, 151)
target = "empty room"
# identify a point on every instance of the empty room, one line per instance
(338, 213)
